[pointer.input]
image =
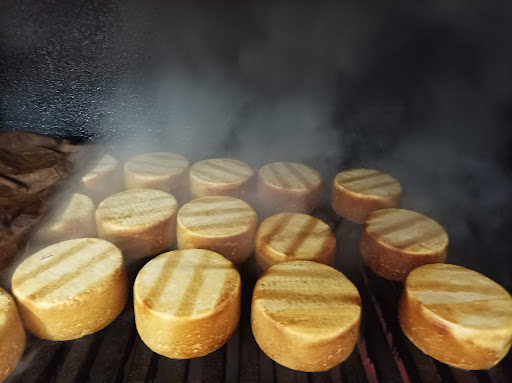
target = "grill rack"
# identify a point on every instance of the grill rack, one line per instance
(382, 353)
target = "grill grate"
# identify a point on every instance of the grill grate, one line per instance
(382, 354)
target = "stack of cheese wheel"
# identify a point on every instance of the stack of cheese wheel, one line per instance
(141, 222)
(12, 335)
(187, 303)
(358, 192)
(71, 289)
(226, 225)
(396, 241)
(292, 236)
(288, 187)
(158, 170)
(305, 315)
(73, 218)
(457, 316)
(220, 176)
(102, 178)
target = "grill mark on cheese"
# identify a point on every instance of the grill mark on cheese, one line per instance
(142, 165)
(217, 225)
(284, 219)
(220, 211)
(129, 202)
(135, 214)
(375, 227)
(54, 261)
(186, 306)
(307, 297)
(373, 187)
(301, 237)
(420, 239)
(305, 318)
(163, 278)
(297, 273)
(223, 173)
(367, 176)
(52, 286)
(280, 179)
(299, 176)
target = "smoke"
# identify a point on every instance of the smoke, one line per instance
(421, 92)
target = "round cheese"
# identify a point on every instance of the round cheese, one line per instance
(226, 225)
(396, 241)
(71, 289)
(457, 316)
(141, 222)
(187, 303)
(305, 315)
(220, 176)
(73, 218)
(293, 236)
(358, 192)
(289, 187)
(101, 178)
(159, 170)
(12, 335)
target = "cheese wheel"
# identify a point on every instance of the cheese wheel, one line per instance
(71, 289)
(305, 315)
(223, 224)
(289, 187)
(159, 170)
(358, 192)
(141, 222)
(396, 241)
(457, 316)
(187, 303)
(293, 236)
(73, 218)
(101, 178)
(220, 176)
(12, 335)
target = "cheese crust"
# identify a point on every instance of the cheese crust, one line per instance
(358, 192)
(457, 316)
(305, 315)
(12, 335)
(187, 303)
(71, 289)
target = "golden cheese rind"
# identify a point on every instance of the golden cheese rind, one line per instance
(220, 177)
(157, 170)
(358, 192)
(457, 316)
(141, 222)
(73, 218)
(12, 335)
(71, 289)
(396, 241)
(294, 236)
(305, 315)
(222, 224)
(187, 303)
(289, 187)
(102, 178)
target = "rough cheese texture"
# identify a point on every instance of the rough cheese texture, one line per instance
(158, 170)
(226, 225)
(288, 187)
(12, 335)
(305, 315)
(293, 236)
(396, 241)
(220, 176)
(358, 192)
(457, 316)
(141, 222)
(187, 303)
(71, 289)
(73, 218)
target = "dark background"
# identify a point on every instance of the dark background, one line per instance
(422, 91)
